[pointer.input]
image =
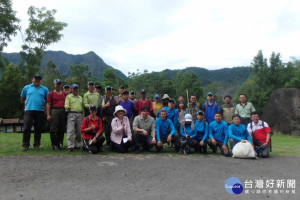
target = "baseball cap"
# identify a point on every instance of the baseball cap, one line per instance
(172, 100)
(91, 83)
(92, 106)
(125, 92)
(156, 96)
(200, 112)
(143, 91)
(122, 87)
(131, 92)
(66, 86)
(108, 88)
(74, 86)
(57, 81)
(210, 94)
(188, 118)
(37, 76)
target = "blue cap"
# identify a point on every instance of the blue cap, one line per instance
(108, 88)
(91, 83)
(66, 86)
(210, 94)
(93, 106)
(156, 96)
(74, 86)
(143, 91)
(57, 81)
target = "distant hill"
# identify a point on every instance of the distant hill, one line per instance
(228, 79)
(62, 60)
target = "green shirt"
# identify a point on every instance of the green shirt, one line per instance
(76, 103)
(244, 111)
(91, 98)
(147, 124)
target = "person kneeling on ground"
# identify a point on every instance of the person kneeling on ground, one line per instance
(143, 126)
(201, 127)
(91, 129)
(261, 135)
(188, 135)
(237, 132)
(121, 132)
(218, 135)
(165, 132)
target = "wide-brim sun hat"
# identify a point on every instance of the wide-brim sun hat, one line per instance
(119, 108)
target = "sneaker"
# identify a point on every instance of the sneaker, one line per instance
(37, 147)
(70, 150)
(56, 148)
(77, 148)
(25, 148)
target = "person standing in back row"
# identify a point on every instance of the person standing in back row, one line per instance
(210, 107)
(74, 105)
(56, 114)
(34, 96)
(228, 110)
(109, 103)
(91, 97)
(244, 109)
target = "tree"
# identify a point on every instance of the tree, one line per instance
(42, 31)
(9, 23)
(10, 88)
(267, 78)
(80, 75)
(50, 73)
(183, 81)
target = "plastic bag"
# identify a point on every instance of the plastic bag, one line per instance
(243, 150)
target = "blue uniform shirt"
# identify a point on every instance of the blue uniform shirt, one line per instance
(199, 127)
(162, 128)
(173, 115)
(128, 106)
(188, 131)
(219, 131)
(34, 97)
(239, 132)
(210, 110)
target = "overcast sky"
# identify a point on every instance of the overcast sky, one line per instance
(173, 34)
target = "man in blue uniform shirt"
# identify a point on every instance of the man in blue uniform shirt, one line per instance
(218, 135)
(34, 96)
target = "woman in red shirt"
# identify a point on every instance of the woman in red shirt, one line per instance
(91, 129)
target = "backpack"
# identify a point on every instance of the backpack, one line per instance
(263, 125)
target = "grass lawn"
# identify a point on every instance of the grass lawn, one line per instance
(10, 144)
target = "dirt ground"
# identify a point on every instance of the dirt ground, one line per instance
(138, 176)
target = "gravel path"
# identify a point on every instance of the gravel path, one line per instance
(138, 176)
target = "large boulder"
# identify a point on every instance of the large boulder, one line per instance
(282, 111)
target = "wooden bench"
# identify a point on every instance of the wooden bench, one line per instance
(11, 125)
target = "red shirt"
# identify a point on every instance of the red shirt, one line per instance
(56, 100)
(98, 127)
(139, 104)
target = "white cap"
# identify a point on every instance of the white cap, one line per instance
(188, 118)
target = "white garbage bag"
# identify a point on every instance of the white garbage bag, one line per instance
(243, 150)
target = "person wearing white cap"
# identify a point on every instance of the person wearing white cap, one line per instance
(165, 99)
(121, 136)
(188, 134)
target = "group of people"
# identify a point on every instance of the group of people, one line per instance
(127, 123)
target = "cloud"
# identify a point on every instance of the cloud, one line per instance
(159, 34)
